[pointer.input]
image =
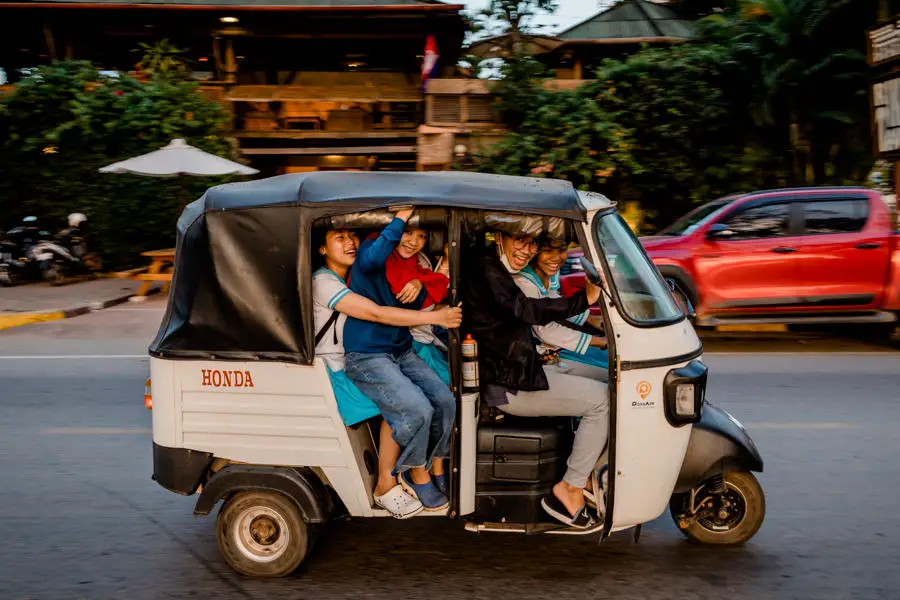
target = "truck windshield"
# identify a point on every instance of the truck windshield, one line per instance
(643, 295)
(689, 222)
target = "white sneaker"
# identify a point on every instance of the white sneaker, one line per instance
(399, 503)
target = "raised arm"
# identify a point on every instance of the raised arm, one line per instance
(360, 307)
(554, 333)
(373, 254)
(534, 311)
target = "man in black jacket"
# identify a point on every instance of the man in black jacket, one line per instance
(513, 378)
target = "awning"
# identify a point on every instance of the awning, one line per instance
(332, 93)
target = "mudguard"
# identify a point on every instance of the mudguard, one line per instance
(718, 444)
(301, 485)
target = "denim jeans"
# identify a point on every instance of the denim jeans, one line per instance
(417, 405)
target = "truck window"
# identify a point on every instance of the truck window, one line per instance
(846, 215)
(767, 221)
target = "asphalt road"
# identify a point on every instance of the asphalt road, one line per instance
(81, 517)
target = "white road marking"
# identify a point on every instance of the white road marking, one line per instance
(73, 356)
(97, 431)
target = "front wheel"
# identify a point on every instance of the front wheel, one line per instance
(262, 534)
(7, 279)
(725, 517)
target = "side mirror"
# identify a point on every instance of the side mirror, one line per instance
(681, 297)
(590, 271)
(593, 275)
(719, 231)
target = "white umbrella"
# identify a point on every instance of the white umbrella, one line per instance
(179, 158)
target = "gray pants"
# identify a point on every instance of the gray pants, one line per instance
(570, 396)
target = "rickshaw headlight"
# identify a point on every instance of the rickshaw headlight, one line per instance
(684, 391)
(684, 400)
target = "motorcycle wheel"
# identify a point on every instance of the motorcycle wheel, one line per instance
(7, 278)
(52, 274)
(729, 519)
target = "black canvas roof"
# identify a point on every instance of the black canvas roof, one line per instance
(333, 192)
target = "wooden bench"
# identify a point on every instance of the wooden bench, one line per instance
(159, 269)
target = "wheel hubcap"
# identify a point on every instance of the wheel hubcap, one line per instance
(725, 511)
(261, 534)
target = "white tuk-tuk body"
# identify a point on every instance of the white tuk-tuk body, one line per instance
(272, 413)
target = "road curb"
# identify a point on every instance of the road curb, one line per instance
(8, 320)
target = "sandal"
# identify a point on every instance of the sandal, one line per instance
(399, 503)
(556, 509)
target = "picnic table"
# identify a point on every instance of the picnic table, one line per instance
(159, 269)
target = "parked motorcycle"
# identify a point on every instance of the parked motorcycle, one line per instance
(16, 264)
(30, 253)
(63, 256)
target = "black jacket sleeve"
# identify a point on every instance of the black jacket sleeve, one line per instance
(533, 311)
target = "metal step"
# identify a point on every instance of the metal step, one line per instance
(531, 528)
(874, 317)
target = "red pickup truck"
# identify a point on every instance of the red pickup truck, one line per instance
(789, 256)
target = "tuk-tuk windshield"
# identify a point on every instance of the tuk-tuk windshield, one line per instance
(643, 295)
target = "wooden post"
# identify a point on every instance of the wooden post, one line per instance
(48, 37)
(577, 74)
(217, 58)
(230, 62)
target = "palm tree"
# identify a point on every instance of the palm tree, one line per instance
(805, 61)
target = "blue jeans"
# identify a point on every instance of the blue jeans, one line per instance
(417, 405)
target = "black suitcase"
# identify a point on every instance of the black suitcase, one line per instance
(519, 461)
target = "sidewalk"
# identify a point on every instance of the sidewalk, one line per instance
(39, 302)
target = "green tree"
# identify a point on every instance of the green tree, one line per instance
(566, 135)
(803, 67)
(680, 105)
(511, 21)
(163, 60)
(66, 121)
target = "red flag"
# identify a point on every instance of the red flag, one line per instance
(430, 61)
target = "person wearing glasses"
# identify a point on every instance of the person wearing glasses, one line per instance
(512, 375)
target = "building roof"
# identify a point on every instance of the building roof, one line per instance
(632, 20)
(240, 4)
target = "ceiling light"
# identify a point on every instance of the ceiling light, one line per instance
(229, 19)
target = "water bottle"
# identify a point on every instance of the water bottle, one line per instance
(470, 364)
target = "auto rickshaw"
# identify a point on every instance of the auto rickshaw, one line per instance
(244, 414)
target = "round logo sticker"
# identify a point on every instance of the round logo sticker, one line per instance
(643, 389)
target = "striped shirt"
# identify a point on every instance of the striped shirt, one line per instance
(328, 290)
(553, 334)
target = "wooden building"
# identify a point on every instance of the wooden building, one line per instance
(311, 84)
(614, 32)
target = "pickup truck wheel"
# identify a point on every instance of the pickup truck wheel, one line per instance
(262, 534)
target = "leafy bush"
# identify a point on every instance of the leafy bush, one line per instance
(66, 121)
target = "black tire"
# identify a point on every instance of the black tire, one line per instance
(7, 278)
(753, 512)
(262, 534)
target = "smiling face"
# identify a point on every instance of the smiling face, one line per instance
(339, 248)
(550, 258)
(412, 242)
(519, 250)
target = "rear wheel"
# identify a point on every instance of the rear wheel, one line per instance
(7, 278)
(728, 517)
(262, 534)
